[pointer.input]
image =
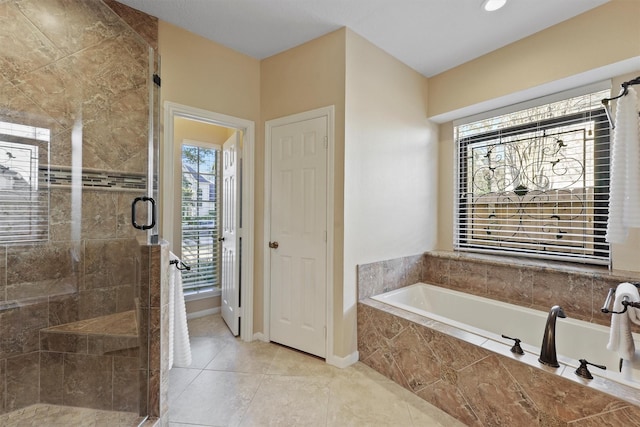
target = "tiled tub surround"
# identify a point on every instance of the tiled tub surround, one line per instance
(484, 385)
(61, 61)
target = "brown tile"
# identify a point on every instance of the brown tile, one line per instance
(447, 397)
(510, 284)
(42, 269)
(468, 276)
(436, 270)
(112, 345)
(628, 416)
(413, 269)
(88, 381)
(96, 302)
(125, 384)
(63, 342)
(51, 377)
(415, 359)
(63, 309)
(72, 26)
(154, 394)
(369, 280)
(451, 351)
(494, 396)
(24, 48)
(22, 373)
(3, 381)
(560, 397)
(3, 274)
(145, 25)
(572, 292)
(98, 217)
(393, 276)
(110, 263)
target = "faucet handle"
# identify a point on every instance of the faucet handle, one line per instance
(516, 346)
(583, 371)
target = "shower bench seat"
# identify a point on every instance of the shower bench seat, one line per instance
(113, 334)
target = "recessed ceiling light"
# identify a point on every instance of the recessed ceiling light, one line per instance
(493, 5)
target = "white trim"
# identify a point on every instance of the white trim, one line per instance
(203, 313)
(202, 295)
(532, 103)
(259, 336)
(329, 113)
(343, 362)
(173, 110)
(629, 65)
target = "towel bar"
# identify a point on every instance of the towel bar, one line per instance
(179, 264)
(625, 301)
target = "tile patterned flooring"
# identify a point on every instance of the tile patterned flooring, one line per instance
(43, 415)
(234, 383)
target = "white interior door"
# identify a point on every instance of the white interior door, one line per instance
(230, 271)
(298, 235)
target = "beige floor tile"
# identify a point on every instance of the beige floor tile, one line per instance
(204, 349)
(239, 356)
(215, 398)
(179, 379)
(362, 402)
(208, 326)
(289, 401)
(295, 363)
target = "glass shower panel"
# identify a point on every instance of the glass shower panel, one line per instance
(78, 140)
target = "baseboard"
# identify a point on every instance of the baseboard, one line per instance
(343, 362)
(259, 336)
(203, 313)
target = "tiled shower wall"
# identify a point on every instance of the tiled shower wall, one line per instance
(73, 68)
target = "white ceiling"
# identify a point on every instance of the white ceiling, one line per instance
(430, 36)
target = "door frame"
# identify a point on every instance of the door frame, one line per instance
(173, 110)
(329, 113)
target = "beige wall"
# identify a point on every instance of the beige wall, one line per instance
(613, 35)
(304, 78)
(200, 73)
(391, 154)
(605, 35)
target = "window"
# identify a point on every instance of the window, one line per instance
(24, 202)
(535, 182)
(200, 218)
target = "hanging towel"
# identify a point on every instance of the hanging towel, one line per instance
(179, 346)
(620, 338)
(624, 187)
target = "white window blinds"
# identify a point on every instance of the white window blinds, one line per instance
(535, 182)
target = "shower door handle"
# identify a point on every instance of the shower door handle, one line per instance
(153, 213)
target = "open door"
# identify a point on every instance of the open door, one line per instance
(231, 240)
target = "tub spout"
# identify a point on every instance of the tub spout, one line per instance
(548, 354)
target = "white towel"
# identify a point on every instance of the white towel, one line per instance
(179, 346)
(620, 338)
(624, 187)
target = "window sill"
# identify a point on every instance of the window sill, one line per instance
(194, 296)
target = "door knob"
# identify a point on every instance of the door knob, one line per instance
(220, 239)
(273, 245)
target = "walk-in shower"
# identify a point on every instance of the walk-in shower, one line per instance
(78, 141)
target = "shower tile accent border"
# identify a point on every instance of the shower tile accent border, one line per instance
(62, 176)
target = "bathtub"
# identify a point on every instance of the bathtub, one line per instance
(489, 319)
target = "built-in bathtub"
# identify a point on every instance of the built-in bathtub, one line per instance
(490, 319)
(446, 347)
